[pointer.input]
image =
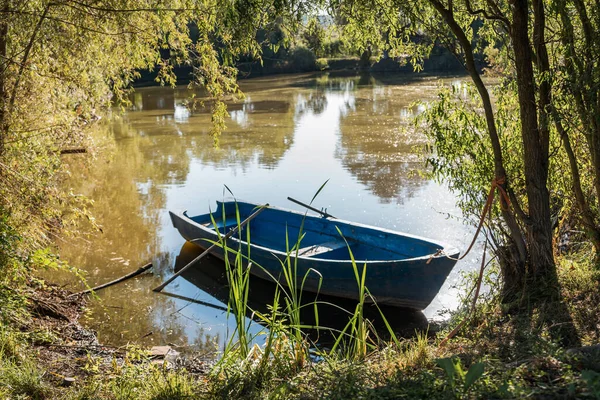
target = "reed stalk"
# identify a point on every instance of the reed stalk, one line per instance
(283, 323)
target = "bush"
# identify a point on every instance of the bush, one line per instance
(322, 64)
(334, 48)
(302, 59)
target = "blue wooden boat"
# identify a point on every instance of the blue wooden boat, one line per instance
(402, 270)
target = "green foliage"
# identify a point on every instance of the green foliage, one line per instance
(12, 275)
(384, 28)
(11, 344)
(314, 36)
(66, 63)
(461, 150)
(418, 351)
(460, 154)
(459, 380)
(63, 65)
(321, 64)
(516, 366)
(168, 385)
(551, 91)
(9, 240)
(302, 59)
(334, 48)
(22, 378)
(592, 379)
(84, 59)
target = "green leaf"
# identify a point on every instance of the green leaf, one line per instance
(318, 191)
(447, 364)
(475, 372)
(592, 379)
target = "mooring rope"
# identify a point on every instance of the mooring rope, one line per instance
(475, 297)
(487, 209)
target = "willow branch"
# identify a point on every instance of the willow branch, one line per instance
(134, 10)
(85, 28)
(13, 96)
(499, 170)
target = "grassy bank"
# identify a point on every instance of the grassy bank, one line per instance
(495, 355)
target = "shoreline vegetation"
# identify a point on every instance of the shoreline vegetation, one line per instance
(45, 353)
(316, 47)
(441, 61)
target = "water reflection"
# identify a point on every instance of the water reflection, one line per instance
(314, 102)
(377, 145)
(285, 138)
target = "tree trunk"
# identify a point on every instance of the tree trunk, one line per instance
(514, 255)
(541, 273)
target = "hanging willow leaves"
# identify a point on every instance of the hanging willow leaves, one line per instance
(65, 63)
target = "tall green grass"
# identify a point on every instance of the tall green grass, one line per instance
(285, 333)
(355, 335)
(238, 278)
(283, 323)
(21, 378)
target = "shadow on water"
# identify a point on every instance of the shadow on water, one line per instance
(209, 276)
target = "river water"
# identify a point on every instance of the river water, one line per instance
(288, 136)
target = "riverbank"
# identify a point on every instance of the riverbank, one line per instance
(440, 62)
(45, 353)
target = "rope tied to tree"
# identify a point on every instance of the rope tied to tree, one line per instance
(487, 210)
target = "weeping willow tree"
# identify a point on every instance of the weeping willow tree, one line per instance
(536, 139)
(65, 63)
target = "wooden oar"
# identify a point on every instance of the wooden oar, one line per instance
(118, 280)
(323, 213)
(223, 239)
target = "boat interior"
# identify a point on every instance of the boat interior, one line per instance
(319, 238)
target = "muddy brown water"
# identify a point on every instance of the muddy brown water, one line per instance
(289, 135)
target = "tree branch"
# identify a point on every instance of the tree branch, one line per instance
(133, 10)
(499, 170)
(589, 220)
(3, 93)
(85, 28)
(486, 15)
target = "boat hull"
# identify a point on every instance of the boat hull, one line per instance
(408, 282)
